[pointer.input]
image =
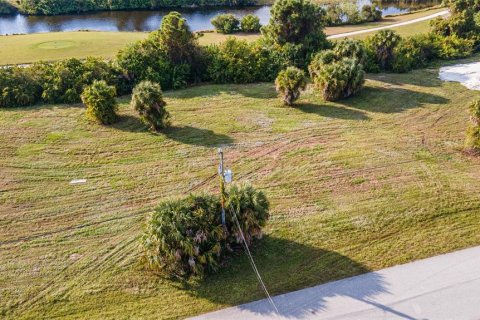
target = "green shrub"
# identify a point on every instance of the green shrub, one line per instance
(237, 61)
(296, 30)
(336, 78)
(250, 23)
(461, 22)
(338, 73)
(6, 8)
(350, 13)
(349, 48)
(252, 210)
(58, 82)
(370, 13)
(380, 49)
(185, 237)
(415, 52)
(169, 56)
(333, 14)
(64, 81)
(289, 82)
(18, 87)
(473, 134)
(453, 47)
(147, 100)
(99, 98)
(225, 23)
(143, 60)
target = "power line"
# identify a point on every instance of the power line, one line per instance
(252, 262)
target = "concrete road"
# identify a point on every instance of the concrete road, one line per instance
(353, 33)
(442, 287)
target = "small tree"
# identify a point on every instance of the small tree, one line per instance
(250, 23)
(147, 100)
(296, 30)
(289, 82)
(473, 133)
(381, 48)
(225, 23)
(99, 98)
(371, 13)
(350, 48)
(336, 79)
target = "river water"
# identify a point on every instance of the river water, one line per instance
(137, 20)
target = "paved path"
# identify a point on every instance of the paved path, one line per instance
(442, 287)
(353, 33)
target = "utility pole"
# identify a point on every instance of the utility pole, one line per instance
(225, 177)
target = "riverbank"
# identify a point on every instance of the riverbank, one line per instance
(18, 49)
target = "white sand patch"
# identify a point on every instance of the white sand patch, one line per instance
(467, 74)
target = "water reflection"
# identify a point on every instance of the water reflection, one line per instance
(198, 19)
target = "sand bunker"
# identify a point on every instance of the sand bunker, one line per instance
(467, 74)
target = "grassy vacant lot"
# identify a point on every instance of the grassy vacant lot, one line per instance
(60, 45)
(370, 182)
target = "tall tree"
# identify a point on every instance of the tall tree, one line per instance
(296, 27)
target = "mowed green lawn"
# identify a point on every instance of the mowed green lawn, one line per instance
(17, 49)
(51, 46)
(370, 182)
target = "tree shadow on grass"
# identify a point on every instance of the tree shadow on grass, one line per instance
(129, 123)
(287, 266)
(253, 90)
(184, 134)
(330, 111)
(197, 136)
(392, 100)
(422, 78)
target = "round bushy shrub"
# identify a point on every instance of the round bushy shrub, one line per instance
(350, 12)
(336, 79)
(250, 23)
(473, 133)
(225, 23)
(371, 13)
(289, 82)
(99, 98)
(350, 48)
(251, 208)
(147, 100)
(338, 73)
(381, 48)
(185, 237)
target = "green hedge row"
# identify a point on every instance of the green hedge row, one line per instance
(173, 58)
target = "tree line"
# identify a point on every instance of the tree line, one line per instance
(55, 7)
